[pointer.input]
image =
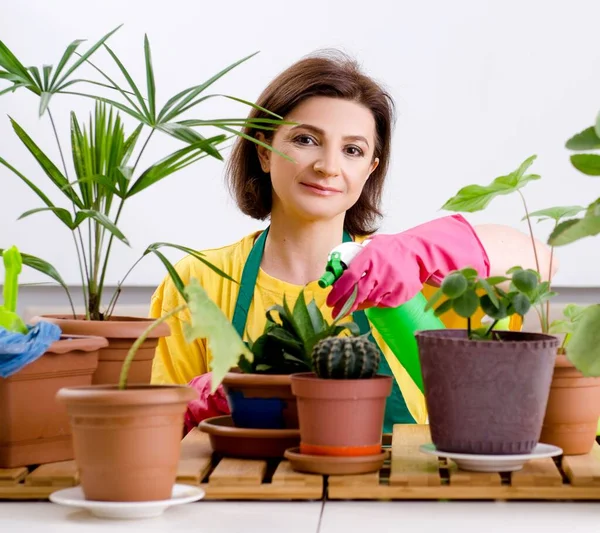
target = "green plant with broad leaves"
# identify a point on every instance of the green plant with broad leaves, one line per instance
(474, 198)
(286, 345)
(105, 170)
(465, 293)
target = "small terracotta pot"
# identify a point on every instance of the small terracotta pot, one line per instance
(573, 409)
(486, 397)
(261, 401)
(121, 333)
(127, 442)
(340, 417)
(34, 428)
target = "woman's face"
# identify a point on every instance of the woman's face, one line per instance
(332, 147)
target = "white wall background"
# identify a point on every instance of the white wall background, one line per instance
(479, 86)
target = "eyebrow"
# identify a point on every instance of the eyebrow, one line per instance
(322, 132)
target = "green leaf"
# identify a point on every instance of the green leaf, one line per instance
(587, 163)
(256, 141)
(151, 85)
(444, 307)
(188, 135)
(525, 280)
(485, 285)
(198, 255)
(583, 349)
(519, 304)
(495, 280)
(574, 312)
(49, 168)
(174, 275)
(454, 285)
(497, 311)
(466, 304)
(302, 318)
(514, 269)
(585, 140)
(347, 306)
(556, 213)
(103, 220)
(286, 339)
(435, 298)
(578, 228)
(210, 323)
(476, 197)
(561, 326)
(44, 101)
(316, 317)
(60, 212)
(65, 59)
(9, 62)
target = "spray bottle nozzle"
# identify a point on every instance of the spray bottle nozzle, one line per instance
(327, 280)
(335, 268)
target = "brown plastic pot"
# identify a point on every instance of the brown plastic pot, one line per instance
(34, 428)
(127, 442)
(340, 417)
(573, 409)
(486, 397)
(261, 401)
(121, 333)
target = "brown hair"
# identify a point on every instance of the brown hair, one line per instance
(333, 75)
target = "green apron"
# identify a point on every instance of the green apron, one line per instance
(396, 411)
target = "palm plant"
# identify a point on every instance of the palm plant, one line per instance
(101, 156)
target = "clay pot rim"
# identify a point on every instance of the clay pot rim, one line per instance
(134, 394)
(308, 385)
(211, 426)
(241, 379)
(444, 337)
(312, 377)
(72, 343)
(116, 327)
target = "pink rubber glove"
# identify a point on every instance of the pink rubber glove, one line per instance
(207, 405)
(393, 268)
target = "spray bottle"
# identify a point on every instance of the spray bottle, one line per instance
(396, 325)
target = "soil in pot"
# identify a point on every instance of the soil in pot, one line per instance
(127, 442)
(573, 409)
(121, 332)
(340, 417)
(486, 397)
(34, 427)
(261, 401)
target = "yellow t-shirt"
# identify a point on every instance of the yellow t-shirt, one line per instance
(177, 362)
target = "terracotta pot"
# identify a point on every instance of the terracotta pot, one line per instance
(127, 442)
(261, 401)
(573, 409)
(486, 397)
(34, 428)
(120, 332)
(340, 417)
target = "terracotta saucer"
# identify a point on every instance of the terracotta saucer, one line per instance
(231, 441)
(326, 464)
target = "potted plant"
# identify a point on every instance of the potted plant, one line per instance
(341, 404)
(574, 402)
(259, 392)
(127, 437)
(35, 362)
(106, 173)
(486, 390)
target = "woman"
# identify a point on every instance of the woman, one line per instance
(340, 148)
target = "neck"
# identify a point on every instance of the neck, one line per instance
(296, 252)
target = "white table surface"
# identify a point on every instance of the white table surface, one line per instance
(315, 517)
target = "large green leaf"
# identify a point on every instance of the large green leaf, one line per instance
(476, 197)
(63, 214)
(302, 318)
(574, 229)
(151, 85)
(103, 220)
(173, 274)
(587, 163)
(583, 348)
(556, 213)
(207, 321)
(316, 317)
(585, 140)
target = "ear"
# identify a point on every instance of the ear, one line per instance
(374, 165)
(264, 155)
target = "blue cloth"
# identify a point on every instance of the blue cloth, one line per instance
(18, 350)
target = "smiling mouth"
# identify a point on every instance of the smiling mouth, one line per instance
(320, 189)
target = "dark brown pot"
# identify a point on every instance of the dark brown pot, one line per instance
(573, 409)
(486, 397)
(261, 401)
(341, 417)
(34, 428)
(121, 332)
(127, 442)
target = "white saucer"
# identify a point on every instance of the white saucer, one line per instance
(74, 497)
(494, 463)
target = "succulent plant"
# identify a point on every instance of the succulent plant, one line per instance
(345, 358)
(286, 345)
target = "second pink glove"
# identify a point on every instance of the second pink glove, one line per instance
(393, 268)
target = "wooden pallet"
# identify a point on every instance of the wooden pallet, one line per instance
(408, 475)
(412, 475)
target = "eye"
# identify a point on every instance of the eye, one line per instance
(354, 151)
(305, 140)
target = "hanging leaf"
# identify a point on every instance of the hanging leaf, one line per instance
(585, 140)
(574, 229)
(587, 163)
(556, 213)
(583, 349)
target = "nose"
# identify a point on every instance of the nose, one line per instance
(327, 163)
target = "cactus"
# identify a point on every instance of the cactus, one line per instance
(345, 358)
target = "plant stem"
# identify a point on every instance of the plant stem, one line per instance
(142, 151)
(491, 328)
(469, 327)
(62, 157)
(115, 296)
(140, 340)
(549, 285)
(537, 263)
